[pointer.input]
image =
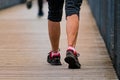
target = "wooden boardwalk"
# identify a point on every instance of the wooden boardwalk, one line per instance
(24, 44)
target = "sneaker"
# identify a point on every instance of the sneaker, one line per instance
(29, 4)
(40, 13)
(53, 58)
(72, 59)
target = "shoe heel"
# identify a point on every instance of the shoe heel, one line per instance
(69, 60)
(57, 61)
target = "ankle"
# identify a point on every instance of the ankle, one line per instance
(55, 51)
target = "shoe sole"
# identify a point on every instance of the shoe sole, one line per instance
(73, 64)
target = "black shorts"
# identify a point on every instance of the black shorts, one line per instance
(56, 8)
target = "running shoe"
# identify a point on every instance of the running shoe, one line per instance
(40, 13)
(72, 59)
(53, 58)
(29, 4)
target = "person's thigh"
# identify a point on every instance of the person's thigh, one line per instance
(55, 10)
(72, 7)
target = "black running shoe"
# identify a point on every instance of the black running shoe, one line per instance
(54, 58)
(40, 13)
(29, 4)
(72, 59)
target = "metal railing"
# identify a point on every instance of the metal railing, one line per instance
(8, 3)
(107, 16)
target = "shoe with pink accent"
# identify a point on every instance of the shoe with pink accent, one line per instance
(72, 59)
(54, 58)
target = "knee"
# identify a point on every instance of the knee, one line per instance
(55, 16)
